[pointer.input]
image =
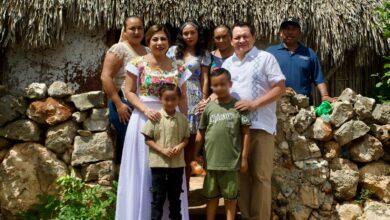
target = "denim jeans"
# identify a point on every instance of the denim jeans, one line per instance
(166, 181)
(120, 128)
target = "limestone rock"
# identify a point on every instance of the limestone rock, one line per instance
(284, 146)
(11, 108)
(382, 132)
(60, 137)
(98, 121)
(300, 100)
(285, 128)
(282, 151)
(342, 164)
(79, 116)
(342, 112)
(91, 149)
(95, 125)
(348, 211)
(321, 130)
(27, 171)
(103, 172)
(344, 176)
(316, 170)
(49, 111)
(286, 107)
(325, 215)
(376, 178)
(375, 211)
(99, 114)
(303, 120)
(303, 149)
(36, 91)
(67, 156)
(327, 201)
(290, 92)
(286, 180)
(314, 215)
(350, 131)
(331, 150)
(281, 199)
(326, 187)
(381, 113)
(299, 212)
(347, 95)
(21, 130)
(88, 100)
(363, 106)
(60, 89)
(310, 196)
(366, 149)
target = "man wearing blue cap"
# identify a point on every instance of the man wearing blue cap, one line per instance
(299, 64)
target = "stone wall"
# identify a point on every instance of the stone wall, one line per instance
(47, 133)
(322, 165)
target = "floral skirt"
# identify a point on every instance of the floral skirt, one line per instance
(194, 96)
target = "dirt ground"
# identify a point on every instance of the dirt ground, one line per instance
(197, 203)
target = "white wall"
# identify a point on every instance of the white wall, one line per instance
(77, 61)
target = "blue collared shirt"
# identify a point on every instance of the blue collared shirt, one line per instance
(301, 68)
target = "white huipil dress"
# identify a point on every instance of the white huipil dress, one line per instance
(134, 187)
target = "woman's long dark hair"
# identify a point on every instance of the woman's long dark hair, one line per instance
(200, 47)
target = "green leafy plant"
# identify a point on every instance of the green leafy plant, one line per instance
(364, 195)
(384, 17)
(75, 200)
(382, 87)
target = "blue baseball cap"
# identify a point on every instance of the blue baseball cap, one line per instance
(290, 21)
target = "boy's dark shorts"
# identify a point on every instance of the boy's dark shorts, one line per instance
(221, 183)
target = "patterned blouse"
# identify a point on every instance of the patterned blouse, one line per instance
(150, 79)
(194, 89)
(125, 53)
(216, 62)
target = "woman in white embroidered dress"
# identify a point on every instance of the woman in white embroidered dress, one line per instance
(145, 76)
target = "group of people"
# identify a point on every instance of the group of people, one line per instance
(166, 102)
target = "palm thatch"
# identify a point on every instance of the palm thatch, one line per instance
(334, 26)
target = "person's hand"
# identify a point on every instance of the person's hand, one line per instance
(328, 98)
(153, 115)
(177, 150)
(244, 166)
(201, 106)
(124, 112)
(168, 152)
(245, 105)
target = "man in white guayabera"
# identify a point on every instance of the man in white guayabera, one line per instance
(257, 82)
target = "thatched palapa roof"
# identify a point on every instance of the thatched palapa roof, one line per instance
(333, 25)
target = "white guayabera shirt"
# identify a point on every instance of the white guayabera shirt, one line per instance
(253, 77)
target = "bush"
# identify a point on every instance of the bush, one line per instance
(383, 79)
(75, 200)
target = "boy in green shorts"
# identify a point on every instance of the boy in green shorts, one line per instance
(225, 131)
